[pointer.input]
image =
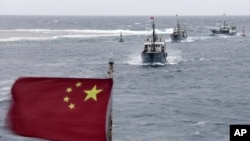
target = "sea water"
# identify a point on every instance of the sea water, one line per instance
(203, 88)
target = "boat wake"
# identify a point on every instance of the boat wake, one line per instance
(189, 39)
(136, 60)
(175, 57)
(48, 34)
(197, 38)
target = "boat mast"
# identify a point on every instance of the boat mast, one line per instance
(177, 20)
(224, 19)
(153, 26)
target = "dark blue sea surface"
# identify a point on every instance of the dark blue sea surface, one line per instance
(204, 87)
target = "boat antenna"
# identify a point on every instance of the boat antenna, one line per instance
(153, 26)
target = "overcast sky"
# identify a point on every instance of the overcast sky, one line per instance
(124, 7)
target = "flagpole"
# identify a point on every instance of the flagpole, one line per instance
(110, 73)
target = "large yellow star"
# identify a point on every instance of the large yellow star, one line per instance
(92, 93)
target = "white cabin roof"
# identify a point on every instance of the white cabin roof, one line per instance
(156, 43)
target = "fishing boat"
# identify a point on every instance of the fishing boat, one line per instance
(243, 32)
(121, 39)
(225, 29)
(179, 33)
(154, 49)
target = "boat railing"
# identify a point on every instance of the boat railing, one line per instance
(157, 40)
(151, 48)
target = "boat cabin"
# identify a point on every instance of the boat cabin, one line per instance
(158, 46)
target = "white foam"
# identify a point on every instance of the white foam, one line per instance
(135, 61)
(13, 39)
(175, 57)
(48, 34)
(201, 123)
(89, 31)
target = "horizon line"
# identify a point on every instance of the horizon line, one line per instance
(112, 15)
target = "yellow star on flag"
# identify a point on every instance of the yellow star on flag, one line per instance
(78, 84)
(69, 90)
(66, 99)
(71, 106)
(92, 93)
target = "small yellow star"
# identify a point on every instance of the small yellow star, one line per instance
(78, 84)
(92, 93)
(71, 106)
(69, 90)
(66, 99)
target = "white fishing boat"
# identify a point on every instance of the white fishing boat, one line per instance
(179, 33)
(154, 49)
(225, 29)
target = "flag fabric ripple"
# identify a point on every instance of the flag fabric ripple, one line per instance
(61, 109)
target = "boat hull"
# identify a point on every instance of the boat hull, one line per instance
(223, 32)
(178, 37)
(158, 58)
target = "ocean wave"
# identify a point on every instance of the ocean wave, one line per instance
(175, 57)
(135, 60)
(14, 39)
(5, 87)
(200, 123)
(98, 31)
(4, 93)
(49, 34)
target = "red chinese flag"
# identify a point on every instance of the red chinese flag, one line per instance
(61, 109)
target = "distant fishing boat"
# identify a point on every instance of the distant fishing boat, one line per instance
(225, 29)
(121, 39)
(179, 33)
(154, 49)
(243, 32)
